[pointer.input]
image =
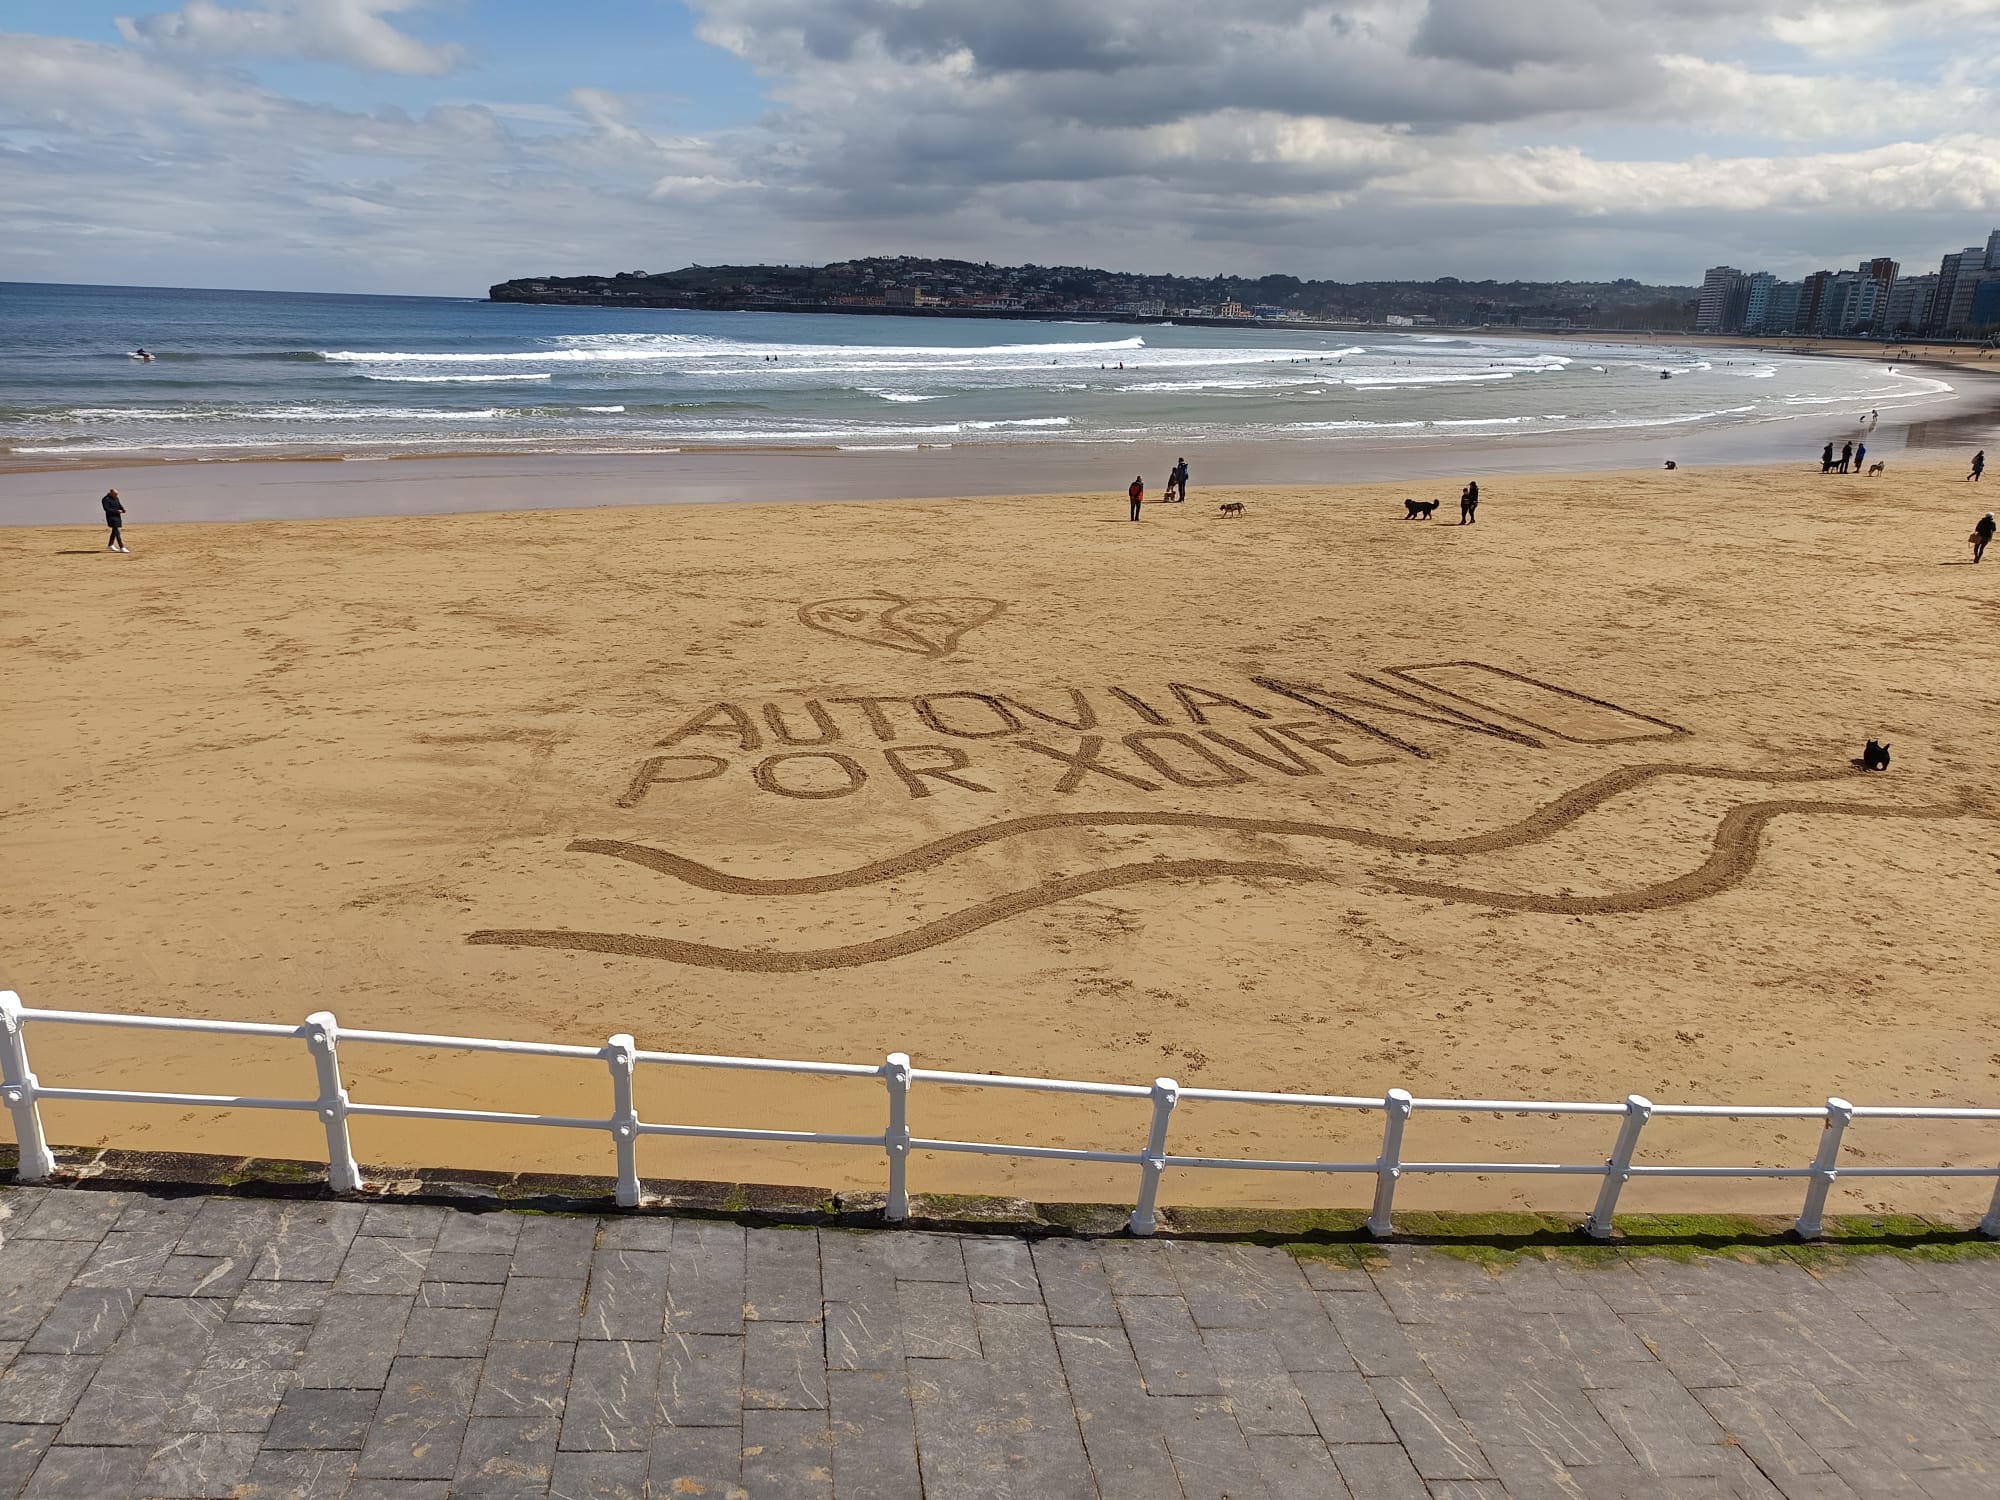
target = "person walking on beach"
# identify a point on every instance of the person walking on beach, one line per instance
(1860, 457)
(1982, 533)
(1468, 504)
(1846, 457)
(1137, 494)
(1826, 459)
(114, 517)
(1978, 464)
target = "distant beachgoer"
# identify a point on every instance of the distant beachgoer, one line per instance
(114, 517)
(1846, 458)
(1177, 482)
(1137, 494)
(1468, 504)
(1981, 535)
(1826, 459)
(1873, 418)
(1860, 456)
(1978, 464)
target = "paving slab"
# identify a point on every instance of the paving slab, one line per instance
(195, 1347)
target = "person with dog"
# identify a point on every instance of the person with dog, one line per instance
(1826, 459)
(1468, 504)
(1982, 533)
(114, 517)
(1136, 492)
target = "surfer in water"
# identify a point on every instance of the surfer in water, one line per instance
(140, 353)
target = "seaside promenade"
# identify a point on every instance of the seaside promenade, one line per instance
(181, 1347)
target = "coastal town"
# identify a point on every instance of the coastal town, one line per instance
(1959, 300)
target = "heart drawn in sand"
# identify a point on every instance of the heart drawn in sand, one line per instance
(925, 627)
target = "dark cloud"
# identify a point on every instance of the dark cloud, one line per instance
(1506, 36)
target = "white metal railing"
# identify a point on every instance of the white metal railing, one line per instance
(22, 1093)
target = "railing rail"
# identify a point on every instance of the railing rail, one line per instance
(22, 1092)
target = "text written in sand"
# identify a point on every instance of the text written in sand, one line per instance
(1137, 739)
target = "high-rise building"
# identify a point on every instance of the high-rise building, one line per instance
(1781, 310)
(1958, 274)
(1812, 291)
(1985, 315)
(1719, 286)
(1758, 287)
(1839, 302)
(1908, 309)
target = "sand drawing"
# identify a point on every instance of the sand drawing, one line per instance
(929, 627)
(1738, 838)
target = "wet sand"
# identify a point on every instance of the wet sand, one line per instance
(42, 494)
(1557, 805)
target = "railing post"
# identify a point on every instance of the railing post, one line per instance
(1618, 1168)
(1990, 1225)
(17, 1089)
(896, 1139)
(624, 1117)
(323, 1037)
(1145, 1217)
(1389, 1165)
(1824, 1169)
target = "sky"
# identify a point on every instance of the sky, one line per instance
(436, 146)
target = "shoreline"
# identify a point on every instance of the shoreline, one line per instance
(326, 486)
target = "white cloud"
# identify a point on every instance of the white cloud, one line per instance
(1328, 137)
(1852, 28)
(350, 32)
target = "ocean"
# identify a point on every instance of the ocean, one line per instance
(276, 374)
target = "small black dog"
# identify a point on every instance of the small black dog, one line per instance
(1418, 510)
(1874, 757)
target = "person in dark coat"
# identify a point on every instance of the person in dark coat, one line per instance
(1826, 458)
(1136, 492)
(114, 517)
(1981, 535)
(1846, 458)
(1468, 504)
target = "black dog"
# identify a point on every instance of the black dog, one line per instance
(1418, 510)
(1874, 757)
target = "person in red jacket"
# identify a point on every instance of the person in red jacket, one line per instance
(1137, 492)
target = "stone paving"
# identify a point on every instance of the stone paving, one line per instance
(212, 1346)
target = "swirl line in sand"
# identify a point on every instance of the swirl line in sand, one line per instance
(1738, 839)
(1550, 818)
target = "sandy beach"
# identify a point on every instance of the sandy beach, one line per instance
(1557, 805)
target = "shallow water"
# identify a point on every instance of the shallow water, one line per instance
(270, 374)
